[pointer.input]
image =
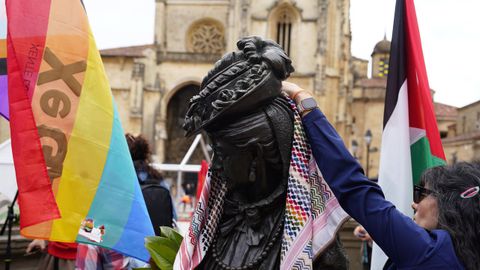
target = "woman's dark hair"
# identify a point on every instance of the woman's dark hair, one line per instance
(458, 216)
(142, 156)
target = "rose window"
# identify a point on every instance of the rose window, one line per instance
(206, 38)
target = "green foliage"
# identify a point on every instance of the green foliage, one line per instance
(164, 248)
(171, 234)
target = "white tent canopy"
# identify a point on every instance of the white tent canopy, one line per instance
(183, 166)
(8, 183)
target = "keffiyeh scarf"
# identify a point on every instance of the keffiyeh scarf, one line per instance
(312, 213)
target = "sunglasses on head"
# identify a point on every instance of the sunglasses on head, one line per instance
(419, 193)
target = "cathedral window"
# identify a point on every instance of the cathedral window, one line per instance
(284, 30)
(138, 70)
(206, 36)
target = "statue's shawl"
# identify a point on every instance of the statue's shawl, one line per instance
(312, 213)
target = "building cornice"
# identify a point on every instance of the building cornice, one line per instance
(187, 57)
(197, 3)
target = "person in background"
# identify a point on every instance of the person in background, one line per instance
(155, 192)
(91, 257)
(366, 249)
(187, 198)
(444, 233)
(58, 256)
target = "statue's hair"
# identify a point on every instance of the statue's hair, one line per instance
(255, 50)
(239, 82)
(458, 216)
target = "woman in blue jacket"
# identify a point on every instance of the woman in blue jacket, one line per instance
(445, 232)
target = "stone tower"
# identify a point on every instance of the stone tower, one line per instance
(380, 58)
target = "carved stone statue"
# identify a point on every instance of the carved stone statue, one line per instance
(250, 124)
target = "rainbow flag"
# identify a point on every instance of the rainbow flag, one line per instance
(75, 175)
(410, 140)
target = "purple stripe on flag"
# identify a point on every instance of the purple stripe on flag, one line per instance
(4, 97)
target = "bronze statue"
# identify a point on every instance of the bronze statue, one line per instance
(250, 124)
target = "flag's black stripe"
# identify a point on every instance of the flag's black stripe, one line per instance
(398, 61)
(3, 66)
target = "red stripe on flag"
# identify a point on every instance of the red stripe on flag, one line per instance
(27, 27)
(420, 102)
(202, 175)
(25, 43)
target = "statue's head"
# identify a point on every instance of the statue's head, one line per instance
(248, 120)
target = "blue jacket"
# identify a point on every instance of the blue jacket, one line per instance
(408, 245)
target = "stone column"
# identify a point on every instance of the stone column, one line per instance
(319, 82)
(160, 25)
(136, 89)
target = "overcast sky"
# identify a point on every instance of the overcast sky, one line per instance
(450, 32)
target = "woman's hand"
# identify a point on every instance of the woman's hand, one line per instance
(361, 233)
(37, 244)
(290, 88)
(294, 91)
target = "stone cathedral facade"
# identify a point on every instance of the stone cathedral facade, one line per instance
(153, 83)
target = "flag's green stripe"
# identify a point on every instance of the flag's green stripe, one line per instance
(422, 159)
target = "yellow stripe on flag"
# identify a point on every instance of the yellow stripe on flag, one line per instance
(88, 124)
(87, 150)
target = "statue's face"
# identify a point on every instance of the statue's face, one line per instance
(252, 152)
(247, 160)
(235, 162)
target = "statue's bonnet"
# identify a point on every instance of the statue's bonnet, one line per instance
(240, 82)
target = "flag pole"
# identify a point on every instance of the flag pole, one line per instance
(9, 220)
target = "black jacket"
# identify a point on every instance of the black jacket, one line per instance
(159, 204)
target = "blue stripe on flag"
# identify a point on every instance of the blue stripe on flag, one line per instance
(119, 203)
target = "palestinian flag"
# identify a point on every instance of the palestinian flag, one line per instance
(202, 175)
(410, 141)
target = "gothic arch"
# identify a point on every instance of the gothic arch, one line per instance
(160, 115)
(162, 108)
(283, 23)
(177, 102)
(206, 35)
